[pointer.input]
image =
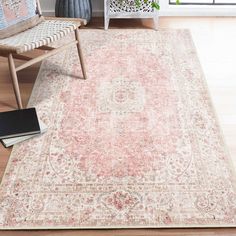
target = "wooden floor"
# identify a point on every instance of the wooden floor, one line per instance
(215, 40)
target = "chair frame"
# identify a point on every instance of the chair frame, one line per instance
(49, 51)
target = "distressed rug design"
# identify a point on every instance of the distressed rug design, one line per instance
(135, 145)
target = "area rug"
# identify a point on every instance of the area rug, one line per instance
(137, 145)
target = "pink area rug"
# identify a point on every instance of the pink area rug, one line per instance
(136, 145)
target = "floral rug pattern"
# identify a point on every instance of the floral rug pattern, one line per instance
(137, 144)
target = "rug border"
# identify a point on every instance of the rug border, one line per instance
(15, 145)
(120, 227)
(230, 160)
(222, 136)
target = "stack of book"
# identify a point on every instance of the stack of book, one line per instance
(19, 125)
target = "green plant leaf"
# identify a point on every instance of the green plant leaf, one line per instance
(138, 3)
(156, 5)
(177, 2)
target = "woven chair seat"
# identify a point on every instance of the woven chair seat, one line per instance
(43, 34)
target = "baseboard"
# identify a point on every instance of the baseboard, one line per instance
(198, 11)
(98, 13)
(48, 13)
(170, 12)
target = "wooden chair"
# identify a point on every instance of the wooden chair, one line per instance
(39, 37)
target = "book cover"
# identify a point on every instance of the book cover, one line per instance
(18, 123)
(11, 141)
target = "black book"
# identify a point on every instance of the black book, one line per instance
(18, 123)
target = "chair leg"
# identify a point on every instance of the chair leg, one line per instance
(80, 54)
(156, 21)
(14, 78)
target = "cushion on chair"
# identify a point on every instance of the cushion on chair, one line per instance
(17, 16)
(42, 34)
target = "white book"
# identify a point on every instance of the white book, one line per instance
(7, 142)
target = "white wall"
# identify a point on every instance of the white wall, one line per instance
(166, 10)
(49, 5)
